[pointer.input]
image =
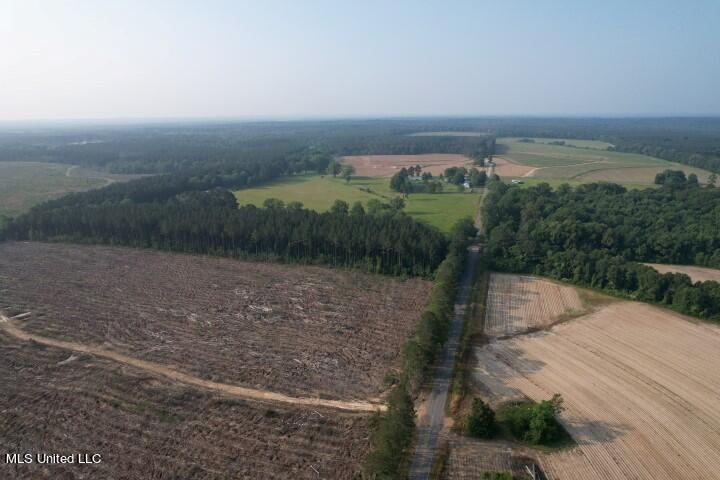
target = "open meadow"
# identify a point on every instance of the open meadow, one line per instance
(25, 184)
(641, 388)
(586, 161)
(318, 193)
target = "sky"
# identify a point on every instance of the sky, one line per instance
(267, 59)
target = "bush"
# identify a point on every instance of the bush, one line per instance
(536, 423)
(391, 434)
(481, 420)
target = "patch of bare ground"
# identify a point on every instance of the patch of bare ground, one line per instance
(300, 331)
(507, 168)
(696, 274)
(468, 458)
(388, 165)
(518, 303)
(145, 427)
(641, 387)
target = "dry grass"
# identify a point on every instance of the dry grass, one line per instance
(641, 387)
(696, 274)
(388, 165)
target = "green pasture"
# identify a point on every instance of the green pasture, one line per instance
(319, 193)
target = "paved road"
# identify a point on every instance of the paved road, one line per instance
(430, 425)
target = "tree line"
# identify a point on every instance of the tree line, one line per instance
(210, 222)
(595, 234)
(391, 432)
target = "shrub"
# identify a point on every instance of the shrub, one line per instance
(481, 420)
(536, 423)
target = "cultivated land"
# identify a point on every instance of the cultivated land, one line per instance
(25, 184)
(518, 303)
(147, 427)
(587, 161)
(299, 331)
(696, 274)
(448, 134)
(319, 193)
(388, 165)
(641, 387)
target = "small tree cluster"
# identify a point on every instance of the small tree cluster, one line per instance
(480, 423)
(536, 423)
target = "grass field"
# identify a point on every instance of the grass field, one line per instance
(25, 184)
(589, 163)
(319, 193)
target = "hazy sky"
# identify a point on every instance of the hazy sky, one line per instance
(304, 58)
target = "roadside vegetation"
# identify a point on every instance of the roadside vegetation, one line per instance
(392, 431)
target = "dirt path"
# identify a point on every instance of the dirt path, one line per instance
(71, 169)
(10, 328)
(431, 420)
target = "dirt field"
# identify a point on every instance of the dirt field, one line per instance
(469, 458)
(301, 331)
(696, 274)
(507, 168)
(641, 388)
(518, 303)
(388, 165)
(146, 428)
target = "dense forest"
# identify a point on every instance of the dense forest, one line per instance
(211, 222)
(165, 148)
(594, 235)
(169, 148)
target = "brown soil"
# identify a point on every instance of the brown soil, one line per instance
(518, 303)
(505, 167)
(388, 165)
(696, 274)
(300, 331)
(641, 387)
(149, 428)
(10, 328)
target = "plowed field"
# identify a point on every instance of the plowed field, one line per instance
(388, 165)
(641, 387)
(517, 303)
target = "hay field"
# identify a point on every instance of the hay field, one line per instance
(300, 331)
(696, 274)
(588, 161)
(641, 388)
(518, 303)
(387, 165)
